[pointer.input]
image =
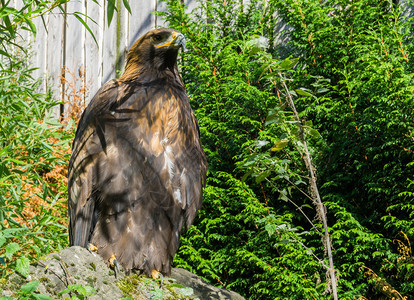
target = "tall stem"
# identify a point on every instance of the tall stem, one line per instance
(316, 198)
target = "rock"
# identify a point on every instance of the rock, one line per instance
(75, 271)
(75, 266)
(201, 289)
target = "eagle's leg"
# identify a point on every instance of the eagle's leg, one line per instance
(157, 275)
(114, 263)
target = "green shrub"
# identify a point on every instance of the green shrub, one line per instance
(257, 231)
(34, 152)
(364, 49)
(245, 237)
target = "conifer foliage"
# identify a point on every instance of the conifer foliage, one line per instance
(348, 70)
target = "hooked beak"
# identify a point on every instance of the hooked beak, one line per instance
(177, 41)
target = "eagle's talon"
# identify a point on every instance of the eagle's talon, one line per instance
(92, 248)
(156, 275)
(113, 262)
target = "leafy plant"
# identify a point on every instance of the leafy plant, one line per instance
(34, 150)
(34, 146)
(78, 291)
(28, 291)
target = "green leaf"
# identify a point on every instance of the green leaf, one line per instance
(76, 15)
(283, 242)
(11, 249)
(74, 287)
(280, 144)
(8, 24)
(312, 132)
(126, 4)
(41, 297)
(4, 53)
(110, 10)
(288, 64)
(16, 161)
(89, 291)
(32, 26)
(22, 266)
(176, 285)
(272, 119)
(322, 90)
(270, 228)
(2, 239)
(85, 291)
(30, 287)
(283, 197)
(262, 176)
(309, 123)
(304, 92)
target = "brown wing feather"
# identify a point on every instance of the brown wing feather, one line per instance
(87, 147)
(136, 173)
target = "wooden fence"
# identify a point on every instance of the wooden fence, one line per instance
(72, 64)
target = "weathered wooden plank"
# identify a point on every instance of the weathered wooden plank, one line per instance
(54, 55)
(74, 57)
(141, 20)
(123, 18)
(159, 20)
(93, 53)
(39, 49)
(24, 37)
(109, 48)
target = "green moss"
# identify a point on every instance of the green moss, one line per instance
(141, 286)
(3, 281)
(91, 280)
(44, 280)
(50, 288)
(92, 266)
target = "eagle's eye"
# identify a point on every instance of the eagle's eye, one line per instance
(157, 38)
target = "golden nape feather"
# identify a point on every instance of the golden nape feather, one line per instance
(138, 168)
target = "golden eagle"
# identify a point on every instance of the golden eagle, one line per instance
(137, 167)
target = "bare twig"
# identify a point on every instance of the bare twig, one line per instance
(298, 207)
(316, 198)
(65, 269)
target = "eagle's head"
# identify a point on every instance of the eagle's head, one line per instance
(155, 51)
